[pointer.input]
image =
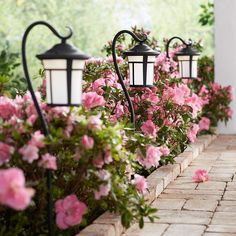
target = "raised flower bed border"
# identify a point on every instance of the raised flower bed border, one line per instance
(109, 224)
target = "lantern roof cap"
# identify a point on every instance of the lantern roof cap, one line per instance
(63, 50)
(141, 49)
(187, 51)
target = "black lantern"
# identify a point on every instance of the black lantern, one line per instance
(63, 66)
(141, 60)
(187, 59)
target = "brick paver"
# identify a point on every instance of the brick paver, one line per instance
(204, 209)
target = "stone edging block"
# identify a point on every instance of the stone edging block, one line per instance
(109, 224)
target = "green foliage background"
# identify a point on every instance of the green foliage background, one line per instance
(96, 21)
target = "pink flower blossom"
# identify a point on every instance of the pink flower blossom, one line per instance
(69, 211)
(200, 176)
(31, 120)
(204, 124)
(48, 162)
(149, 128)
(92, 99)
(94, 123)
(151, 97)
(140, 183)
(107, 157)
(215, 87)
(98, 83)
(103, 191)
(229, 112)
(229, 89)
(13, 192)
(119, 112)
(192, 133)
(118, 59)
(178, 94)
(5, 152)
(195, 102)
(165, 151)
(37, 139)
(153, 156)
(7, 108)
(99, 161)
(103, 175)
(29, 153)
(77, 155)
(87, 142)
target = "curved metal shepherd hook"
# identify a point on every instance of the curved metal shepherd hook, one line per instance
(131, 108)
(43, 121)
(169, 41)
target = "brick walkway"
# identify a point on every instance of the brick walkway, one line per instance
(209, 209)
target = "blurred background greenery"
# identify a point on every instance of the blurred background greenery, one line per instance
(96, 21)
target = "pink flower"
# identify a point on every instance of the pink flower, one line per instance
(192, 133)
(7, 108)
(153, 156)
(87, 142)
(103, 191)
(149, 128)
(92, 99)
(178, 94)
(140, 183)
(94, 123)
(119, 112)
(98, 83)
(69, 211)
(229, 112)
(99, 161)
(200, 176)
(103, 175)
(29, 152)
(215, 87)
(37, 139)
(5, 152)
(31, 120)
(204, 124)
(107, 157)
(118, 59)
(165, 151)
(77, 155)
(13, 192)
(195, 102)
(48, 162)
(151, 97)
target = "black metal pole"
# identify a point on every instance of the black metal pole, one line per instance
(131, 107)
(169, 41)
(43, 121)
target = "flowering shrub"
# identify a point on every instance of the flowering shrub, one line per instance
(88, 157)
(164, 113)
(98, 160)
(216, 98)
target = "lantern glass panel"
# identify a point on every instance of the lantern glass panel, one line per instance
(184, 66)
(136, 70)
(76, 81)
(150, 70)
(138, 74)
(56, 81)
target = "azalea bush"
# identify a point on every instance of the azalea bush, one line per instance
(99, 161)
(216, 98)
(91, 168)
(165, 113)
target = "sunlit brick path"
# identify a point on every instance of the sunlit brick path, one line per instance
(209, 209)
